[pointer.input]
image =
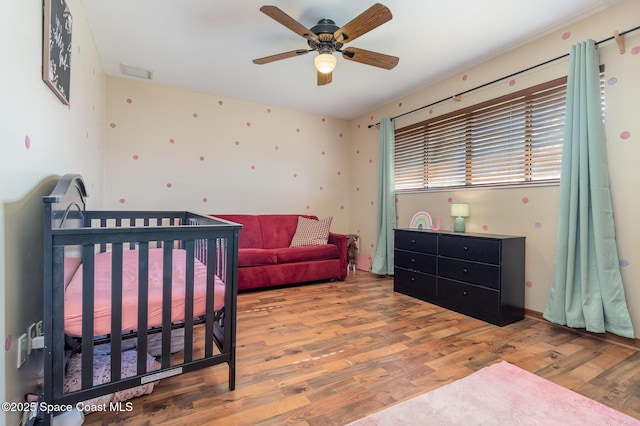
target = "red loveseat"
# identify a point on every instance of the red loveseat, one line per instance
(265, 258)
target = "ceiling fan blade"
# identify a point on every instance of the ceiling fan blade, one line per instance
(286, 20)
(324, 78)
(371, 18)
(368, 57)
(285, 55)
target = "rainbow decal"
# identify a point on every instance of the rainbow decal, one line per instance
(421, 220)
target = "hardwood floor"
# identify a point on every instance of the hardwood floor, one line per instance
(330, 353)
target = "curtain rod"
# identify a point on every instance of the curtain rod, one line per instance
(615, 36)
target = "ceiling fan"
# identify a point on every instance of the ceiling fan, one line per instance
(326, 38)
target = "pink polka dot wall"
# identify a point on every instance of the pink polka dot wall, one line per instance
(202, 149)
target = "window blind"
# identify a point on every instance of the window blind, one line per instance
(512, 140)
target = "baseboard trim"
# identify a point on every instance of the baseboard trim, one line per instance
(607, 336)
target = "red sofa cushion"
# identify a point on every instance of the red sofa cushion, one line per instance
(250, 236)
(256, 257)
(278, 229)
(306, 253)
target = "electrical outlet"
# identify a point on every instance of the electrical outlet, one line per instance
(31, 334)
(22, 350)
(39, 330)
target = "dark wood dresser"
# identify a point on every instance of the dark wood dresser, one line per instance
(480, 275)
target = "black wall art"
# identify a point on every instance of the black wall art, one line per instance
(56, 62)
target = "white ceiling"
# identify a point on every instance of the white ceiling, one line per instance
(208, 45)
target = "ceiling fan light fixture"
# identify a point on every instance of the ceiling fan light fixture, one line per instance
(326, 38)
(325, 62)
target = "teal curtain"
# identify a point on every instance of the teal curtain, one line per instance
(587, 289)
(386, 223)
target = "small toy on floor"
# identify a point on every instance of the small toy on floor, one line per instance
(353, 247)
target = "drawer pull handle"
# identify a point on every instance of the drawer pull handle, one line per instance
(465, 270)
(413, 260)
(413, 279)
(465, 248)
(464, 293)
(413, 241)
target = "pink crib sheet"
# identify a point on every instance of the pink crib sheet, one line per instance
(102, 308)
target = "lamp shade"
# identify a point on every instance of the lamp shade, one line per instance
(459, 210)
(325, 62)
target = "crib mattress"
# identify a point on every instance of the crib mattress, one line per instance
(102, 299)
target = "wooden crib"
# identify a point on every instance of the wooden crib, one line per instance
(118, 277)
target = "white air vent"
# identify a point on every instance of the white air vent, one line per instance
(135, 72)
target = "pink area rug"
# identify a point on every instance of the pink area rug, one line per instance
(501, 394)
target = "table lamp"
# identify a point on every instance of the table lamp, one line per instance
(459, 211)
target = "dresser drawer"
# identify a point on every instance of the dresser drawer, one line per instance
(421, 241)
(415, 284)
(483, 274)
(469, 248)
(478, 302)
(413, 260)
